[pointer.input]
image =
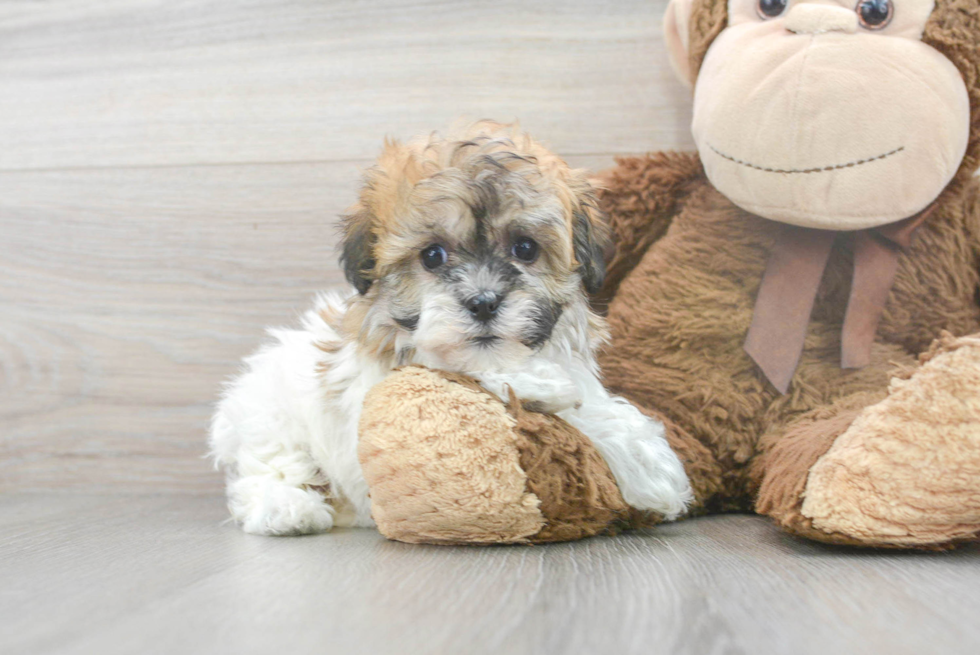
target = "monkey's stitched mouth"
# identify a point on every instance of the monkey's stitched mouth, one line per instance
(797, 171)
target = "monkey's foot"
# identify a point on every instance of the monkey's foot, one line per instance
(450, 463)
(906, 472)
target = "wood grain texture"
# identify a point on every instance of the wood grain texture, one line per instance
(159, 574)
(135, 82)
(128, 295)
(171, 173)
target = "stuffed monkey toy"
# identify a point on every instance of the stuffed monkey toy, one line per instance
(798, 301)
(801, 298)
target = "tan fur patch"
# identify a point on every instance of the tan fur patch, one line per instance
(442, 462)
(334, 318)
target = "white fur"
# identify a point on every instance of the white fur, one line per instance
(289, 421)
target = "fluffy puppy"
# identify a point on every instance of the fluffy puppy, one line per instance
(471, 253)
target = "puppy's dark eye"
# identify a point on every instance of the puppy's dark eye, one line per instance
(525, 249)
(875, 14)
(433, 256)
(771, 8)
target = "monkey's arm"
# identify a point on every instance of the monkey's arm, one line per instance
(640, 197)
(971, 211)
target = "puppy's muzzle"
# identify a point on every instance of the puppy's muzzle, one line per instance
(483, 306)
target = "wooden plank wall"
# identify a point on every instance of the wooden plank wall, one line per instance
(171, 172)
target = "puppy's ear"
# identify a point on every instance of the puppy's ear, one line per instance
(357, 255)
(591, 242)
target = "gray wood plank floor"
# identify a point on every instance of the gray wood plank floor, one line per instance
(164, 574)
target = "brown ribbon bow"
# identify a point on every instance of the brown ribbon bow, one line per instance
(789, 289)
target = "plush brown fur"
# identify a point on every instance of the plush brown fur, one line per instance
(683, 285)
(679, 317)
(578, 494)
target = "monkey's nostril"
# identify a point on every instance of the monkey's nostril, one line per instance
(484, 305)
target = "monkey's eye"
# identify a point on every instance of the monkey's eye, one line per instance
(875, 14)
(525, 249)
(433, 256)
(771, 8)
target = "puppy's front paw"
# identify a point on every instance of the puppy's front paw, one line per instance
(649, 474)
(541, 385)
(270, 507)
(551, 396)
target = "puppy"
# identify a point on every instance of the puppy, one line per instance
(471, 253)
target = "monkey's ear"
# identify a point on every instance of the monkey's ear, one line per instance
(677, 37)
(591, 242)
(357, 254)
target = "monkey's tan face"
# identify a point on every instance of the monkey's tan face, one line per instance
(830, 114)
(476, 259)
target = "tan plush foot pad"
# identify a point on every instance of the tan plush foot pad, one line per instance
(907, 470)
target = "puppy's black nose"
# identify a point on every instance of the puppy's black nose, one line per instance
(483, 305)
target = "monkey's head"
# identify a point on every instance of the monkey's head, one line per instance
(836, 114)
